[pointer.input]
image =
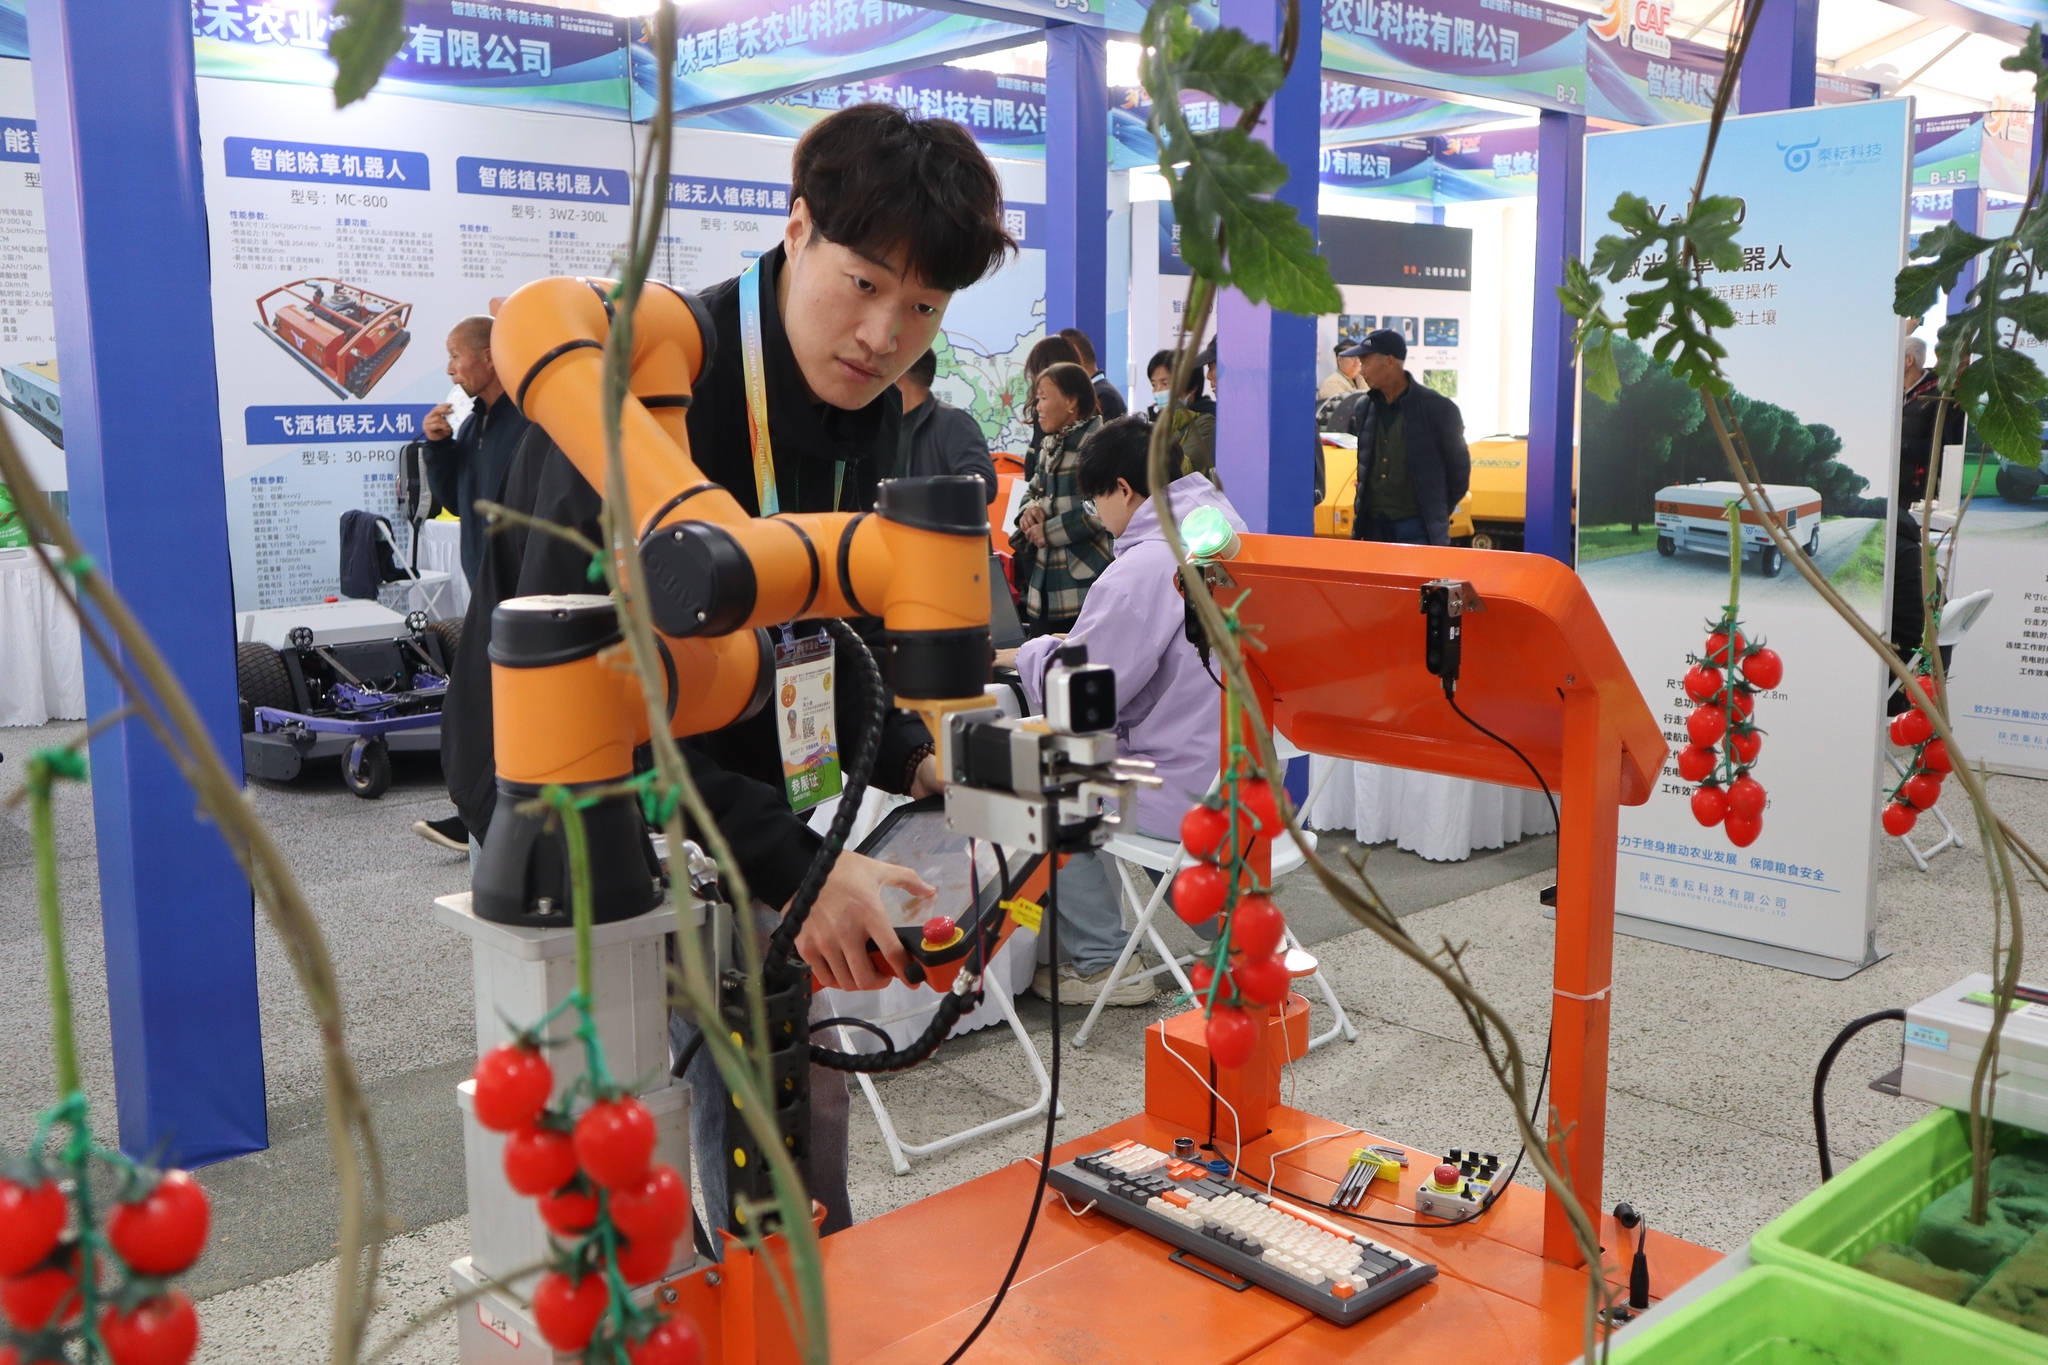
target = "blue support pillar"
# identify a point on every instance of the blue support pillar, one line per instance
(127, 223)
(1553, 373)
(1266, 370)
(1077, 181)
(1778, 72)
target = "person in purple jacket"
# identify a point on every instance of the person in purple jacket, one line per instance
(1169, 710)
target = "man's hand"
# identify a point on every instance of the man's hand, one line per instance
(436, 426)
(1006, 658)
(848, 916)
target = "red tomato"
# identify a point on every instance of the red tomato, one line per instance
(1256, 926)
(1696, 764)
(642, 1262)
(1231, 1036)
(512, 1087)
(1702, 682)
(1742, 705)
(1263, 981)
(164, 1231)
(32, 1218)
(1706, 725)
(1198, 893)
(1929, 686)
(161, 1331)
(673, 1342)
(655, 1209)
(1717, 647)
(1934, 758)
(1764, 668)
(1200, 975)
(615, 1141)
(1710, 805)
(42, 1298)
(1910, 728)
(567, 1313)
(1257, 797)
(1922, 790)
(1899, 819)
(1743, 829)
(1746, 798)
(569, 1212)
(539, 1160)
(1205, 832)
(1747, 744)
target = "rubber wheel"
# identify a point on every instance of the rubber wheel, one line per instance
(1482, 541)
(366, 768)
(260, 680)
(1768, 560)
(1813, 543)
(1666, 546)
(449, 633)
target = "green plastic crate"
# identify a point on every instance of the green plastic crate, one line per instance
(1879, 1199)
(1773, 1316)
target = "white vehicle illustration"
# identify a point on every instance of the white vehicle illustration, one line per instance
(1694, 517)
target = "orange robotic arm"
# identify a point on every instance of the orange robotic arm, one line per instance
(716, 576)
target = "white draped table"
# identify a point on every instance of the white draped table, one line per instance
(1429, 814)
(42, 673)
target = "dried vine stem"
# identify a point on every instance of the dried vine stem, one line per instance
(153, 693)
(1496, 1037)
(748, 1074)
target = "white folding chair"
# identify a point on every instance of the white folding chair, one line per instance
(1956, 619)
(1166, 857)
(427, 592)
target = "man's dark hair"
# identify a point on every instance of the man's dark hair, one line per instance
(924, 369)
(1084, 349)
(877, 182)
(1076, 383)
(1118, 451)
(1053, 350)
(1163, 360)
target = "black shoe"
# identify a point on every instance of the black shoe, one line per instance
(450, 834)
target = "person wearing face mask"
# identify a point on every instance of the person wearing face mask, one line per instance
(1069, 546)
(889, 217)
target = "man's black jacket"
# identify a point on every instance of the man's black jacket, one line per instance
(1439, 464)
(472, 464)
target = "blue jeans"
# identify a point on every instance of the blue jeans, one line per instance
(1406, 531)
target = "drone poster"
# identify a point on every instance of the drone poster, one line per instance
(1814, 368)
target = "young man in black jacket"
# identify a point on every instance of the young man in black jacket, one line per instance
(1413, 467)
(889, 216)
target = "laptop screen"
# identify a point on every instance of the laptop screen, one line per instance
(1005, 631)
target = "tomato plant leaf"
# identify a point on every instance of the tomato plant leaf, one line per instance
(1998, 391)
(1232, 67)
(1942, 253)
(366, 36)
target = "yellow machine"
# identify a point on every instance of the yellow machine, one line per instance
(1489, 517)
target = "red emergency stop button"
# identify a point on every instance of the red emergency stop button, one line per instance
(1447, 1177)
(940, 932)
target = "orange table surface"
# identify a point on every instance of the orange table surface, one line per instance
(906, 1288)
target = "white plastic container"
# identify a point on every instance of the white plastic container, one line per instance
(1945, 1035)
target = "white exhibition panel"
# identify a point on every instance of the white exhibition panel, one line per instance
(1825, 197)
(28, 325)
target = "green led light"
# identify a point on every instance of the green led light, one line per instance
(1208, 535)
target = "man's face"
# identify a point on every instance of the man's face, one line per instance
(1161, 377)
(470, 366)
(1913, 370)
(1347, 365)
(1381, 372)
(1116, 508)
(854, 324)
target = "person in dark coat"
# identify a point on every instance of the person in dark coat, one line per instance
(938, 438)
(1413, 467)
(1109, 400)
(1916, 450)
(469, 465)
(889, 217)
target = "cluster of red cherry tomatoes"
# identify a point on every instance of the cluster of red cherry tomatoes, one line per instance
(1921, 786)
(156, 1232)
(1253, 938)
(1723, 683)
(599, 1186)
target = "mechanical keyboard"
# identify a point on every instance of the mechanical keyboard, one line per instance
(1238, 1228)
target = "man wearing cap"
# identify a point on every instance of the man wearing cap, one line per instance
(1413, 467)
(1342, 380)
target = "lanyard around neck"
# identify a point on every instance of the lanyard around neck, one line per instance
(756, 379)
